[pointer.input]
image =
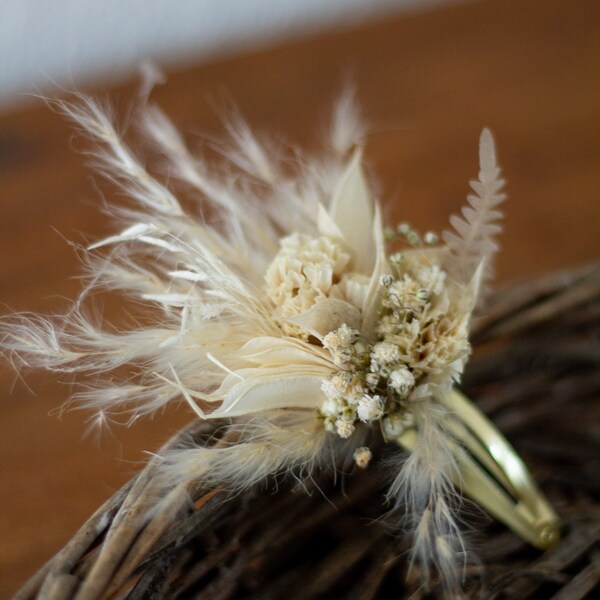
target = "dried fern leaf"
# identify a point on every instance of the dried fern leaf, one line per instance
(473, 239)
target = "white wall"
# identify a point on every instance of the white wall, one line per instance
(66, 42)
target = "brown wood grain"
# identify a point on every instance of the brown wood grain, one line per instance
(427, 82)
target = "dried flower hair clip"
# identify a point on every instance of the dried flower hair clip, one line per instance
(289, 316)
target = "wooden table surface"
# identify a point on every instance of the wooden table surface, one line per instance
(427, 82)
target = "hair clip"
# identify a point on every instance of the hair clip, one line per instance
(292, 313)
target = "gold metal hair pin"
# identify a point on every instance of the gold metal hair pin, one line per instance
(491, 473)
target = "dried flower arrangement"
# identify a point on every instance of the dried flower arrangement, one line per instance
(290, 316)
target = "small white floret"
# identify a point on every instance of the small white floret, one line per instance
(331, 407)
(422, 295)
(330, 390)
(396, 258)
(341, 337)
(370, 408)
(362, 457)
(430, 238)
(343, 355)
(372, 379)
(344, 427)
(386, 280)
(393, 426)
(401, 381)
(384, 354)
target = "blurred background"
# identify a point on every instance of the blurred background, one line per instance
(45, 44)
(429, 75)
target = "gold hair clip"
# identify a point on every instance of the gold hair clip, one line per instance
(490, 471)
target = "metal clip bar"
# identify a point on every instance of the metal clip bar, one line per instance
(493, 474)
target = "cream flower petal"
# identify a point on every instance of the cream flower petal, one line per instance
(326, 225)
(326, 315)
(271, 352)
(352, 211)
(269, 393)
(382, 267)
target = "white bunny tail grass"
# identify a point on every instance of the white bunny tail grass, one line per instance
(348, 128)
(424, 492)
(285, 443)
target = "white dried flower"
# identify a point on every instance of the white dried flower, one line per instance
(431, 238)
(370, 408)
(386, 280)
(372, 379)
(343, 336)
(349, 384)
(384, 354)
(362, 457)
(402, 381)
(345, 427)
(422, 295)
(432, 278)
(332, 407)
(343, 356)
(304, 270)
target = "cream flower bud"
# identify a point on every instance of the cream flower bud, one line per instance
(402, 381)
(331, 341)
(383, 356)
(389, 235)
(386, 280)
(329, 424)
(331, 407)
(422, 295)
(396, 258)
(343, 355)
(344, 427)
(372, 379)
(413, 238)
(431, 238)
(343, 336)
(362, 457)
(370, 408)
(342, 387)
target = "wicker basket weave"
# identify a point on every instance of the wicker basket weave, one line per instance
(534, 372)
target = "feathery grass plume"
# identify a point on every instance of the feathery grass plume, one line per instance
(423, 490)
(284, 315)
